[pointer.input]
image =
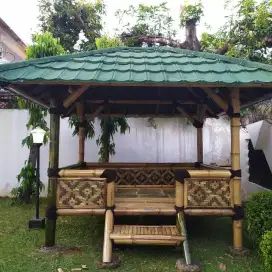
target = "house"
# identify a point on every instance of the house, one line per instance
(12, 49)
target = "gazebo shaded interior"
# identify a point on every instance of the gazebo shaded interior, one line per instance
(142, 82)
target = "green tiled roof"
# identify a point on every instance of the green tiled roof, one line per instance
(157, 65)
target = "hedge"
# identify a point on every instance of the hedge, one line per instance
(258, 215)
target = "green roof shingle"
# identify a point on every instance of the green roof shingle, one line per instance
(157, 65)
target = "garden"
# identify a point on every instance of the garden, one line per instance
(209, 241)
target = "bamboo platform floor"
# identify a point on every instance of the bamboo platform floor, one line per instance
(145, 201)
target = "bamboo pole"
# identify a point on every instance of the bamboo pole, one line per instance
(110, 193)
(107, 247)
(74, 96)
(209, 173)
(147, 242)
(202, 212)
(50, 230)
(235, 165)
(201, 111)
(199, 144)
(80, 173)
(179, 194)
(216, 98)
(154, 237)
(81, 132)
(109, 222)
(138, 165)
(69, 212)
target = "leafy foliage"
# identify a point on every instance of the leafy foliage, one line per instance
(44, 45)
(27, 184)
(107, 42)
(191, 13)
(72, 21)
(258, 215)
(89, 128)
(109, 126)
(153, 20)
(266, 249)
(247, 34)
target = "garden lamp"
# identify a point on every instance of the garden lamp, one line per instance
(37, 222)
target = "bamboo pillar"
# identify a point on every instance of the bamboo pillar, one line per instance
(179, 194)
(81, 132)
(50, 229)
(200, 145)
(235, 165)
(109, 221)
(201, 111)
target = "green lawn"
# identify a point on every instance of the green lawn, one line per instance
(209, 240)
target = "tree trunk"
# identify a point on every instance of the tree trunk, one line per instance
(191, 38)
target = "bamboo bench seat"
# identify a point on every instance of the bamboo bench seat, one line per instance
(138, 234)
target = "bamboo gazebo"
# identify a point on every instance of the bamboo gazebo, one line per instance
(142, 82)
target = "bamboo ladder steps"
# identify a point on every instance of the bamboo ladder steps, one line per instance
(146, 235)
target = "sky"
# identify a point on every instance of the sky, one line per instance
(21, 15)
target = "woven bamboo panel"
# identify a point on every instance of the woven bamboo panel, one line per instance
(80, 193)
(208, 192)
(145, 177)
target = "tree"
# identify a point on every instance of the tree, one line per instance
(247, 34)
(44, 45)
(73, 22)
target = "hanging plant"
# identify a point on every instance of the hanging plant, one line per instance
(191, 13)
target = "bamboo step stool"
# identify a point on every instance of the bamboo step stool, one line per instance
(140, 234)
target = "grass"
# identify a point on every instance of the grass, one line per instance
(209, 240)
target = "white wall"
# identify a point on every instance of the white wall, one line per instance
(173, 141)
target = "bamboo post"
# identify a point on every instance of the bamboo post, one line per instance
(50, 229)
(81, 132)
(235, 165)
(179, 194)
(201, 111)
(109, 221)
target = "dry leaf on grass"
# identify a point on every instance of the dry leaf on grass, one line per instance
(223, 267)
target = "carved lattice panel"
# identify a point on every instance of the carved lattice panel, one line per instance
(80, 193)
(207, 192)
(145, 177)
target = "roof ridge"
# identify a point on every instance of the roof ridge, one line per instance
(186, 52)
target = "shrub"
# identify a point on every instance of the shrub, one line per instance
(266, 250)
(27, 184)
(258, 215)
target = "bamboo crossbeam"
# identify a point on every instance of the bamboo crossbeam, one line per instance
(80, 173)
(209, 173)
(96, 112)
(137, 211)
(146, 237)
(187, 115)
(138, 165)
(142, 102)
(69, 212)
(145, 200)
(146, 242)
(216, 98)
(203, 212)
(74, 96)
